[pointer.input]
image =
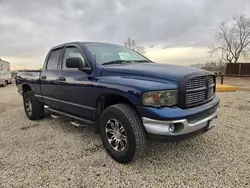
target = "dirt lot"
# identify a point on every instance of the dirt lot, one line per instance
(53, 153)
(9, 98)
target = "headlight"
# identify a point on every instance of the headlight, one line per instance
(160, 98)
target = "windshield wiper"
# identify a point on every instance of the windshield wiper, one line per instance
(116, 62)
(139, 61)
(125, 61)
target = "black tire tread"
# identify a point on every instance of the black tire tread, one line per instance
(135, 121)
(37, 107)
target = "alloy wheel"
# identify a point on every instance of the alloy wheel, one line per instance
(116, 135)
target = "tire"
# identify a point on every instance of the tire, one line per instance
(35, 110)
(135, 141)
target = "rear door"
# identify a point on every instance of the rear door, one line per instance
(49, 77)
(74, 86)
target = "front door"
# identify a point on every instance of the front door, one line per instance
(74, 86)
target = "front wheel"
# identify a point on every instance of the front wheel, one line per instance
(122, 133)
(33, 108)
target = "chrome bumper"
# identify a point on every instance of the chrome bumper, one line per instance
(182, 126)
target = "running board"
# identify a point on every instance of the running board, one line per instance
(86, 121)
(78, 124)
(56, 116)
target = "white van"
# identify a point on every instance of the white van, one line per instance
(5, 74)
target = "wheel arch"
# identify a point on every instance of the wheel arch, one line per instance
(106, 100)
(25, 88)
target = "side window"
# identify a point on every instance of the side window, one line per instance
(71, 52)
(53, 59)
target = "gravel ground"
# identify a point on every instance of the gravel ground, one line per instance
(53, 153)
(9, 98)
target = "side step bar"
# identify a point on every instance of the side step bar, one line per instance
(86, 121)
(56, 116)
(78, 124)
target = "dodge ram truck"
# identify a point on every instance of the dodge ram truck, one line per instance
(126, 96)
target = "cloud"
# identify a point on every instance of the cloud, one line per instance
(30, 28)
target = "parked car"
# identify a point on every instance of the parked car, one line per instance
(5, 74)
(126, 96)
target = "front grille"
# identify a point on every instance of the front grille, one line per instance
(196, 82)
(195, 97)
(199, 89)
(210, 92)
(210, 80)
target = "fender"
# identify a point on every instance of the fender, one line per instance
(129, 87)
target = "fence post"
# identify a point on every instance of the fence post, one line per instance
(221, 80)
(239, 68)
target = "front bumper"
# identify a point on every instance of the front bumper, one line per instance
(186, 123)
(183, 128)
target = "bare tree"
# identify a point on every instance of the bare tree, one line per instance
(220, 66)
(232, 39)
(132, 44)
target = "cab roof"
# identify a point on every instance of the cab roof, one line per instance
(82, 43)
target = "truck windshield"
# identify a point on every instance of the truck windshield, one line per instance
(107, 54)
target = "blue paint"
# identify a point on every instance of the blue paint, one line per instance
(126, 80)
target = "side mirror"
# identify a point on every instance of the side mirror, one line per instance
(75, 62)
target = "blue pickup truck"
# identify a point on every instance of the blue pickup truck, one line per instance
(126, 96)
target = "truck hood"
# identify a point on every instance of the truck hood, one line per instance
(162, 71)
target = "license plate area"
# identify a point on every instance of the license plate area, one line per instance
(212, 123)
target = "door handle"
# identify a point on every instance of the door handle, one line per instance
(61, 79)
(43, 77)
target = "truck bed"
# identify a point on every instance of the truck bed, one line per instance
(31, 77)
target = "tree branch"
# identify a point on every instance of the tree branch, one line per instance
(232, 38)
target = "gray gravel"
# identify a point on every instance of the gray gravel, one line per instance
(53, 153)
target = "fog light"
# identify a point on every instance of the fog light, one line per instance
(171, 128)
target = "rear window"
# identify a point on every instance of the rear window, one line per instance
(54, 59)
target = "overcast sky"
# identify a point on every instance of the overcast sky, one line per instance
(184, 28)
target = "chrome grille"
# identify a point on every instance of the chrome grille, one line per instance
(196, 82)
(199, 89)
(210, 92)
(195, 97)
(210, 80)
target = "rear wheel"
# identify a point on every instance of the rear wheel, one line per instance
(33, 108)
(122, 133)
